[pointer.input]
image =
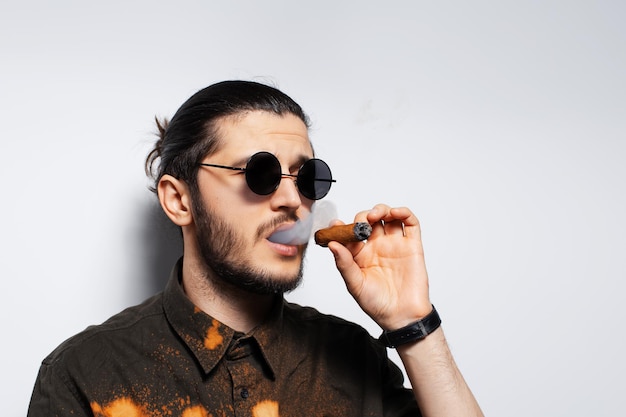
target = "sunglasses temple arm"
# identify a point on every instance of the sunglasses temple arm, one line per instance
(223, 167)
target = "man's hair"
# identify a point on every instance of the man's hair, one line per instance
(192, 133)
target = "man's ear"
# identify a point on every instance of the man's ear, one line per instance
(175, 200)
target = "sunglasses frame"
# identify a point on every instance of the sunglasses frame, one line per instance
(246, 169)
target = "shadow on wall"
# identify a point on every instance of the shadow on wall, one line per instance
(162, 246)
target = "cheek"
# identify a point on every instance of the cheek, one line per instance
(228, 202)
(308, 206)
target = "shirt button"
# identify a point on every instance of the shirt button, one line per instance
(244, 393)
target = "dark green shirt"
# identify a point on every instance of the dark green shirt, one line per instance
(165, 357)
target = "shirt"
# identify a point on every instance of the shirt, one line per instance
(165, 357)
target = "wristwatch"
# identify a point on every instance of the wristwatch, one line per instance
(413, 332)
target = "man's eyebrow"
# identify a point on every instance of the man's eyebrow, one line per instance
(237, 163)
(298, 162)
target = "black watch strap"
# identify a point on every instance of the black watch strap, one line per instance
(415, 331)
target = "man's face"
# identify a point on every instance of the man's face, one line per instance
(233, 223)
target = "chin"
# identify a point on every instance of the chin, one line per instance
(272, 284)
(283, 279)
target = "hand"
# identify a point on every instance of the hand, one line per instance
(386, 275)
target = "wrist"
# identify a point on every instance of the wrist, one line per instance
(412, 332)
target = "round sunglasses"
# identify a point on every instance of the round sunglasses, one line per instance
(263, 175)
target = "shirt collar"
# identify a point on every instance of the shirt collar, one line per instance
(207, 338)
(267, 336)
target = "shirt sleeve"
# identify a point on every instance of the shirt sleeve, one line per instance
(55, 395)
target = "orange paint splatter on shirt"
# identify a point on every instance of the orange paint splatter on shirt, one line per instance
(197, 411)
(122, 407)
(213, 337)
(266, 409)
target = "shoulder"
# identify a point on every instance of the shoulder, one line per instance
(308, 320)
(293, 311)
(119, 329)
(333, 343)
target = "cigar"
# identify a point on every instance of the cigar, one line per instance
(354, 232)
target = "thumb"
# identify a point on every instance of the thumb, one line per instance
(346, 266)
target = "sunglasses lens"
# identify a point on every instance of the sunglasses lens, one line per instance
(263, 173)
(263, 176)
(314, 179)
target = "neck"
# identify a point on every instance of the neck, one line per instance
(235, 307)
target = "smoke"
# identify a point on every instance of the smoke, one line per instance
(322, 213)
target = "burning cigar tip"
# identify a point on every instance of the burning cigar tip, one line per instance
(353, 232)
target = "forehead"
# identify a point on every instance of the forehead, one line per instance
(247, 133)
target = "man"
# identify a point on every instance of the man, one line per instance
(233, 168)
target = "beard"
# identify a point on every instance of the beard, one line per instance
(223, 251)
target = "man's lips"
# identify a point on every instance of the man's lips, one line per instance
(285, 249)
(291, 234)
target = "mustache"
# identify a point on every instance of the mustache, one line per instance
(270, 225)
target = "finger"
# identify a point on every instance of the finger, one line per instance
(394, 221)
(362, 216)
(410, 222)
(346, 266)
(386, 220)
(378, 212)
(394, 227)
(375, 218)
(404, 214)
(398, 220)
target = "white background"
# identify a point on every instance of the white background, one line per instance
(500, 123)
